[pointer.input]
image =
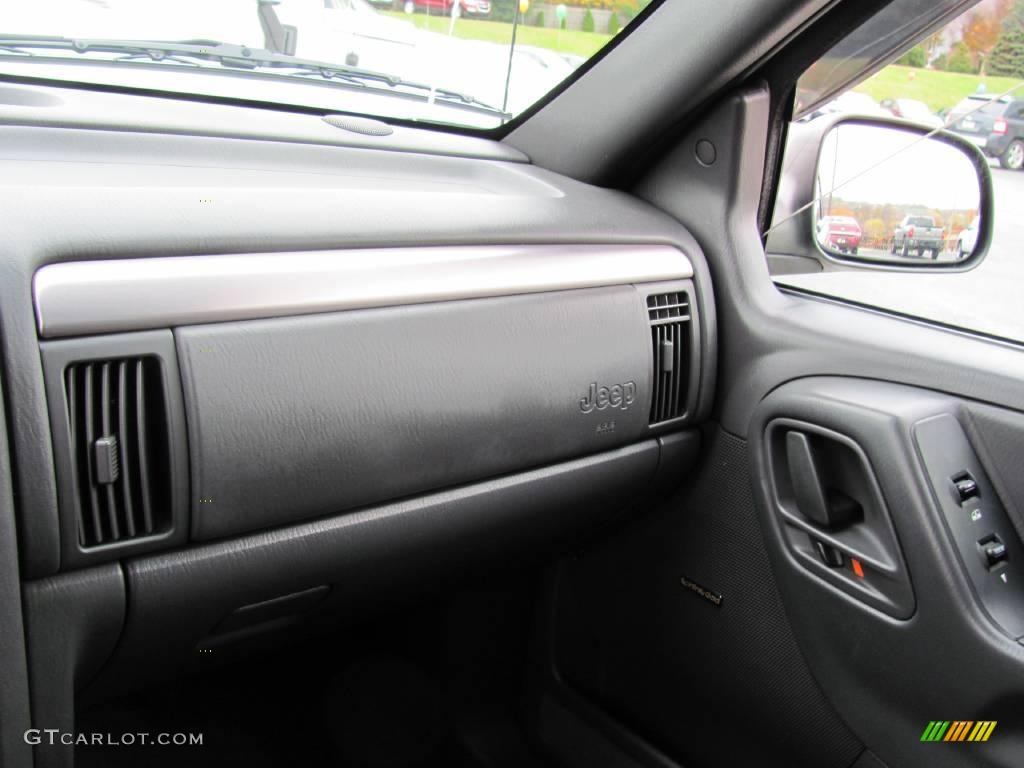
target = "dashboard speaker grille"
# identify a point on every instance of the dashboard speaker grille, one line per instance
(669, 316)
(120, 448)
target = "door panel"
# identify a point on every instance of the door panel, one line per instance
(958, 652)
(888, 674)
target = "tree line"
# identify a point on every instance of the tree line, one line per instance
(991, 42)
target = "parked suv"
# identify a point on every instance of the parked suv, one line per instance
(997, 127)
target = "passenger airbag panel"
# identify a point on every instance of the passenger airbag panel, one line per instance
(296, 418)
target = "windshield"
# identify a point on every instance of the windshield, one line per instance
(473, 63)
(910, 107)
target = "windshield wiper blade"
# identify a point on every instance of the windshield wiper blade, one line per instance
(232, 56)
(227, 54)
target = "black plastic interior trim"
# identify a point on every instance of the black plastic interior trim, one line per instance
(888, 312)
(72, 625)
(15, 689)
(781, 74)
(368, 558)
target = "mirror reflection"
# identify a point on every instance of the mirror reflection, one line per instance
(887, 194)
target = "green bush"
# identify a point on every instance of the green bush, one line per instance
(613, 24)
(588, 21)
(503, 10)
(561, 24)
(961, 65)
(960, 60)
(915, 57)
(538, 20)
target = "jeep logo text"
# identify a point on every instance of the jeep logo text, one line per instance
(616, 396)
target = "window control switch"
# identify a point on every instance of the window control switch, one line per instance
(966, 487)
(993, 550)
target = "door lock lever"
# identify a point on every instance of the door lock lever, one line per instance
(829, 555)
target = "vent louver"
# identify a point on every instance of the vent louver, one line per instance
(119, 447)
(669, 315)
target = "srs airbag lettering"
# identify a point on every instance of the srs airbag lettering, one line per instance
(616, 396)
(707, 594)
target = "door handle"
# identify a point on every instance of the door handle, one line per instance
(826, 507)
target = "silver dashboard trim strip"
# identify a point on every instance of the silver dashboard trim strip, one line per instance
(87, 297)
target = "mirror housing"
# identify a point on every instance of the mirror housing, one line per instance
(291, 39)
(794, 242)
(277, 37)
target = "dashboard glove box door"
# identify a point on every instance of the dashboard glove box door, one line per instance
(300, 417)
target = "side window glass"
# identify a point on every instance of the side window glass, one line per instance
(953, 81)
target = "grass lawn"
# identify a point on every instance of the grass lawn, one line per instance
(584, 44)
(939, 90)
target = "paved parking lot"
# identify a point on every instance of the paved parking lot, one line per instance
(989, 298)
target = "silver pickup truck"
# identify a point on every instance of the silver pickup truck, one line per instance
(917, 234)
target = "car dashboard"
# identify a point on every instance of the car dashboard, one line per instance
(262, 375)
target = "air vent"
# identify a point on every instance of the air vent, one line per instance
(119, 445)
(669, 315)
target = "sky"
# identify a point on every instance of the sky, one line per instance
(879, 165)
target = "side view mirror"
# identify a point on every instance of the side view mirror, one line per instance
(291, 39)
(879, 193)
(277, 37)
